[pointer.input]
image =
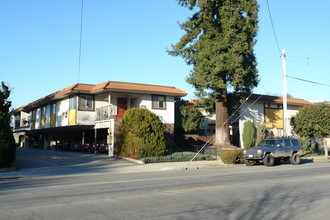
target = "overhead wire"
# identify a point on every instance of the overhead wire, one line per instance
(257, 99)
(81, 31)
(271, 20)
(309, 81)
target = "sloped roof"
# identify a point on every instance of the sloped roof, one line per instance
(270, 99)
(142, 88)
(278, 100)
(108, 86)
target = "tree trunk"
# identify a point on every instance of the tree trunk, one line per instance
(222, 127)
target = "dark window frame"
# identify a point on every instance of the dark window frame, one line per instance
(158, 104)
(86, 98)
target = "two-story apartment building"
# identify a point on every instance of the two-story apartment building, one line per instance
(86, 113)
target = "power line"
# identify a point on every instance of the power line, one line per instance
(239, 108)
(309, 81)
(81, 29)
(271, 20)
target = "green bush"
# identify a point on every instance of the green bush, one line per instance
(248, 134)
(140, 132)
(192, 118)
(232, 156)
(7, 145)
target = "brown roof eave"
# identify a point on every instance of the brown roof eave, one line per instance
(278, 100)
(147, 92)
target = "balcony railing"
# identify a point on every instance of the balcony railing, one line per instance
(105, 112)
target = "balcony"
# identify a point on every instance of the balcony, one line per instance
(104, 113)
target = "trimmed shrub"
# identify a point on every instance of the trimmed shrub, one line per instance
(176, 157)
(248, 134)
(232, 156)
(141, 132)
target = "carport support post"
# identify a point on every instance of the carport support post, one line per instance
(95, 138)
(83, 141)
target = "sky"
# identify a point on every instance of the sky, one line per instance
(127, 41)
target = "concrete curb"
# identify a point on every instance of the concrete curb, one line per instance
(132, 160)
(8, 169)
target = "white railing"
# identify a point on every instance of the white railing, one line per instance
(104, 113)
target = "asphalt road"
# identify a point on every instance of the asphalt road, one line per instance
(259, 192)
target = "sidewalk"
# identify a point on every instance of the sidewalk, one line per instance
(175, 166)
(41, 163)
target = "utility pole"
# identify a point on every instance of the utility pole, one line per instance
(285, 104)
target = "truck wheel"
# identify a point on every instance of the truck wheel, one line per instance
(295, 159)
(268, 160)
(249, 162)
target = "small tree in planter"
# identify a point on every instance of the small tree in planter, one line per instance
(261, 132)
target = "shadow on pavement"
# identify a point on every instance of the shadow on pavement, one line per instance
(306, 160)
(37, 162)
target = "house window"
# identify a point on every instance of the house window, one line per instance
(86, 102)
(158, 101)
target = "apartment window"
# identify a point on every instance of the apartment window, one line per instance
(86, 102)
(53, 108)
(134, 103)
(158, 101)
(43, 111)
(73, 102)
(33, 116)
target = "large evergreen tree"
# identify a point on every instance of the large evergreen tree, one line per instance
(219, 41)
(7, 142)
